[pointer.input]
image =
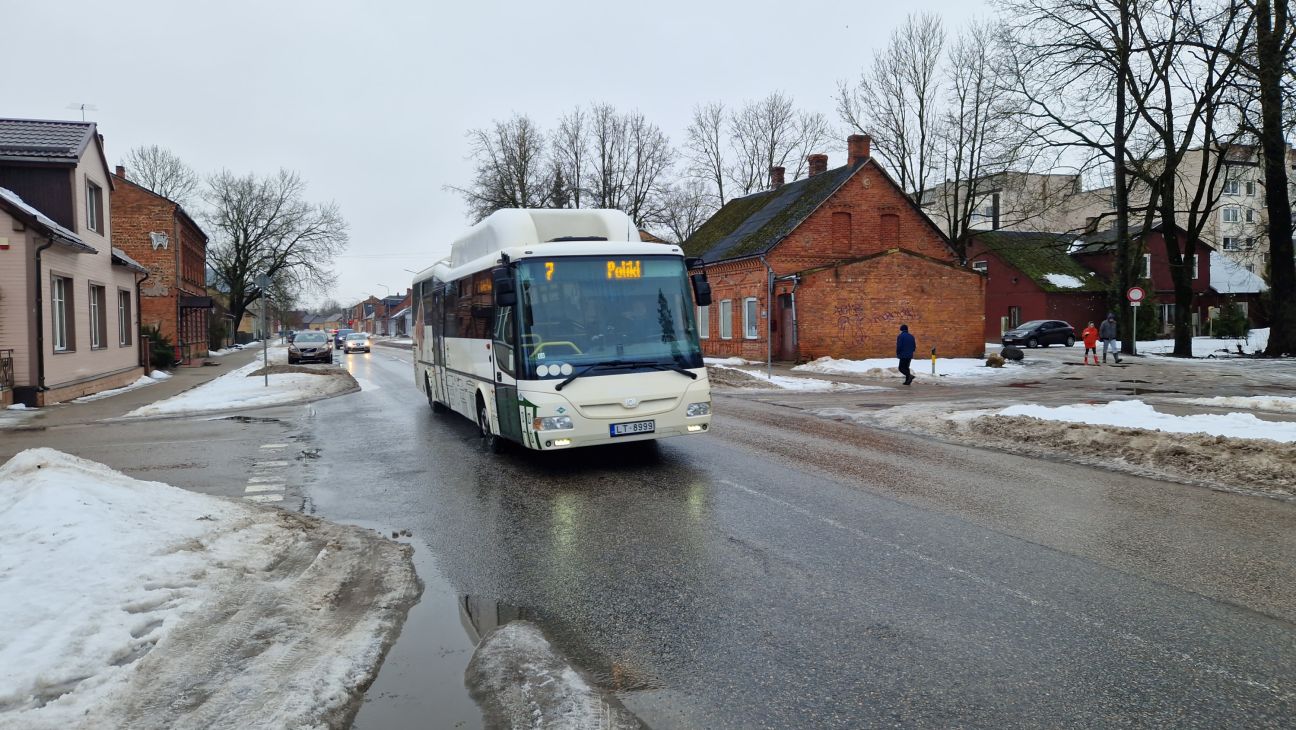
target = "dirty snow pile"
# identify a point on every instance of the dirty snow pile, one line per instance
(730, 362)
(521, 681)
(235, 390)
(1137, 414)
(1256, 341)
(954, 367)
(132, 604)
(156, 376)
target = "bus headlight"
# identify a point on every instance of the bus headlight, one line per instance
(552, 423)
(698, 409)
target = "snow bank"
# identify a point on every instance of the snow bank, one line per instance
(728, 361)
(235, 390)
(1281, 404)
(954, 367)
(156, 376)
(132, 604)
(521, 681)
(1256, 341)
(1137, 414)
(17, 407)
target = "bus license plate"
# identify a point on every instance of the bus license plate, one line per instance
(627, 429)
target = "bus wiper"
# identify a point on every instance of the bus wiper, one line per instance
(606, 365)
(676, 368)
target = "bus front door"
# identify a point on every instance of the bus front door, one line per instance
(506, 367)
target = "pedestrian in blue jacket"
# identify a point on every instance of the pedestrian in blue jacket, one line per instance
(905, 348)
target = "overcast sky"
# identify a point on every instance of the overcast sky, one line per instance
(370, 100)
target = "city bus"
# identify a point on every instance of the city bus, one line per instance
(556, 329)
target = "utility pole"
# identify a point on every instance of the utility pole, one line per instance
(263, 282)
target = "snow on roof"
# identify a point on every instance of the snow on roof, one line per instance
(54, 228)
(127, 260)
(1064, 281)
(1229, 277)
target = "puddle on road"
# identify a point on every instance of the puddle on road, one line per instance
(1027, 384)
(422, 677)
(1145, 391)
(250, 419)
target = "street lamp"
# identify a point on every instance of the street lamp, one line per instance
(387, 288)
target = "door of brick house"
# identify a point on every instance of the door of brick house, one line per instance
(784, 333)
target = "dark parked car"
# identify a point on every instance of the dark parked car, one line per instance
(340, 336)
(1041, 333)
(310, 346)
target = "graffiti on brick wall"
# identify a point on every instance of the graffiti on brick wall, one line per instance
(855, 315)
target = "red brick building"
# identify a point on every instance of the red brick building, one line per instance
(158, 233)
(846, 258)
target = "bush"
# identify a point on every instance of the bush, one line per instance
(1231, 322)
(161, 350)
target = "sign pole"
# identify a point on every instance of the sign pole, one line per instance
(1134, 295)
(263, 282)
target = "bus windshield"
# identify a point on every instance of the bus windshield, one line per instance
(580, 310)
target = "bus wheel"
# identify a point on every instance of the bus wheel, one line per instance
(437, 407)
(493, 443)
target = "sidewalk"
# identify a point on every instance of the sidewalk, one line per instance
(182, 379)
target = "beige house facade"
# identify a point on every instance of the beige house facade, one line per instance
(68, 301)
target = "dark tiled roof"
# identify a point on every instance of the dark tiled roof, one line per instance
(36, 139)
(754, 224)
(1037, 254)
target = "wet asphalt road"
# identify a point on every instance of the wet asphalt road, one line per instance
(786, 571)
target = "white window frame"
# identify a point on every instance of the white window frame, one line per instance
(96, 337)
(726, 319)
(751, 318)
(1147, 266)
(1231, 243)
(92, 210)
(123, 318)
(1192, 261)
(983, 266)
(1232, 187)
(1250, 188)
(1249, 215)
(704, 322)
(1231, 214)
(58, 313)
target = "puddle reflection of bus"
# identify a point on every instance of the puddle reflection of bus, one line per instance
(559, 328)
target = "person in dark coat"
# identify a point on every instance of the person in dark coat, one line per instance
(905, 348)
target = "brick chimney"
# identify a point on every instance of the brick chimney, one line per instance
(776, 178)
(818, 164)
(121, 171)
(857, 148)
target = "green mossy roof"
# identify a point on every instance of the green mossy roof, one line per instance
(752, 225)
(1037, 254)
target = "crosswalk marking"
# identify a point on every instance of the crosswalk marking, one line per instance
(263, 497)
(276, 487)
(274, 446)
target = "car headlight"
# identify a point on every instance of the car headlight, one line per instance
(698, 409)
(552, 423)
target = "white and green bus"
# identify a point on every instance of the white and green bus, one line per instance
(560, 328)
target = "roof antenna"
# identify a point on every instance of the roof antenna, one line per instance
(84, 108)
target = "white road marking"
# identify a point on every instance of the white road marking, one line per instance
(263, 478)
(1174, 654)
(264, 497)
(274, 446)
(252, 488)
(270, 464)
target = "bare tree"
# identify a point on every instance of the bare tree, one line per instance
(512, 168)
(161, 171)
(895, 101)
(770, 133)
(571, 152)
(1189, 51)
(686, 207)
(629, 160)
(705, 148)
(265, 226)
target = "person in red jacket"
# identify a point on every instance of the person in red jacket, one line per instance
(1090, 337)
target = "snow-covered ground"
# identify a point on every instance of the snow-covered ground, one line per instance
(946, 367)
(152, 378)
(232, 350)
(1256, 341)
(521, 681)
(235, 390)
(1277, 403)
(132, 604)
(1137, 414)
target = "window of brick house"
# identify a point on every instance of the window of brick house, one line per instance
(983, 266)
(94, 207)
(1147, 267)
(704, 322)
(726, 319)
(751, 318)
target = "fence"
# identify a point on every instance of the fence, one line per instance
(6, 370)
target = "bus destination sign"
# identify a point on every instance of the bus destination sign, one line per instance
(624, 270)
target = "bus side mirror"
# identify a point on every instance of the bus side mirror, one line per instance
(701, 290)
(504, 288)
